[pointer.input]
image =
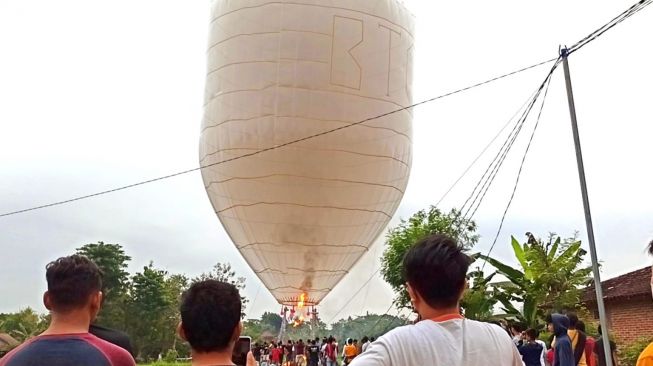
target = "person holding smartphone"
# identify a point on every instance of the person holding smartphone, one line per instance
(210, 323)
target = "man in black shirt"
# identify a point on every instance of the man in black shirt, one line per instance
(600, 353)
(116, 337)
(313, 354)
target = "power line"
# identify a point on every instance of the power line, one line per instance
(481, 153)
(57, 203)
(609, 25)
(354, 295)
(486, 180)
(521, 165)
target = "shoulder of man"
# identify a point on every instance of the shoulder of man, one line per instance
(21, 348)
(117, 356)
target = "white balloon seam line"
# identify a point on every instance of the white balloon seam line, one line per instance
(213, 98)
(213, 20)
(268, 270)
(307, 225)
(312, 149)
(303, 118)
(276, 146)
(244, 205)
(304, 177)
(317, 245)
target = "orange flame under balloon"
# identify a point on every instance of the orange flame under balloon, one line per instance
(300, 305)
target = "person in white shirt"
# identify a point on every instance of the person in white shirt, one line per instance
(435, 270)
(366, 343)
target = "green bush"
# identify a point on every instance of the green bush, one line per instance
(171, 355)
(628, 355)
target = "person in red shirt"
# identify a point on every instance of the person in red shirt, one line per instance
(590, 344)
(275, 354)
(74, 300)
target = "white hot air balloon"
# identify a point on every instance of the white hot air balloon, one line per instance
(278, 71)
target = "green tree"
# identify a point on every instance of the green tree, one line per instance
(370, 325)
(24, 324)
(271, 322)
(224, 273)
(113, 261)
(422, 224)
(550, 277)
(149, 311)
(175, 285)
(478, 301)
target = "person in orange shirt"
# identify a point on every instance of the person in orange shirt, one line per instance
(646, 357)
(350, 351)
(578, 340)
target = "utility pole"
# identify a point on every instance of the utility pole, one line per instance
(588, 214)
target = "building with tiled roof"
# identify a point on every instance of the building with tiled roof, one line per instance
(628, 304)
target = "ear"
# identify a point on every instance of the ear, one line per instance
(462, 292)
(47, 300)
(180, 332)
(237, 331)
(96, 300)
(414, 296)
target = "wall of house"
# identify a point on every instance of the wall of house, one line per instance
(630, 319)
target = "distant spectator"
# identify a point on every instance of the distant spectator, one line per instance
(590, 343)
(210, 322)
(530, 350)
(563, 354)
(74, 300)
(578, 340)
(599, 350)
(516, 330)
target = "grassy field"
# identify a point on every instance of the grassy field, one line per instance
(166, 364)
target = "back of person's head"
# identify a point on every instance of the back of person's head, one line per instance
(74, 282)
(436, 269)
(573, 320)
(372, 339)
(580, 325)
(517, 327)
(350, 341)
(210, 316)
(365, 339)
(532, 333)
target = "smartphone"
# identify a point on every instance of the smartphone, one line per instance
(242, 348)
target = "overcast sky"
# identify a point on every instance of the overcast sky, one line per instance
(95, 95)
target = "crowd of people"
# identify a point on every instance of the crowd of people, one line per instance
(315, 352)
(435, 270)
(581, 350)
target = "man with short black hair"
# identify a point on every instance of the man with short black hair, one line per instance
(313, 354)
(435, 270)
(578, 340)
(74, 300)
(210, 322)
(530, 350)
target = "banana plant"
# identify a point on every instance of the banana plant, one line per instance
(550, 277)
